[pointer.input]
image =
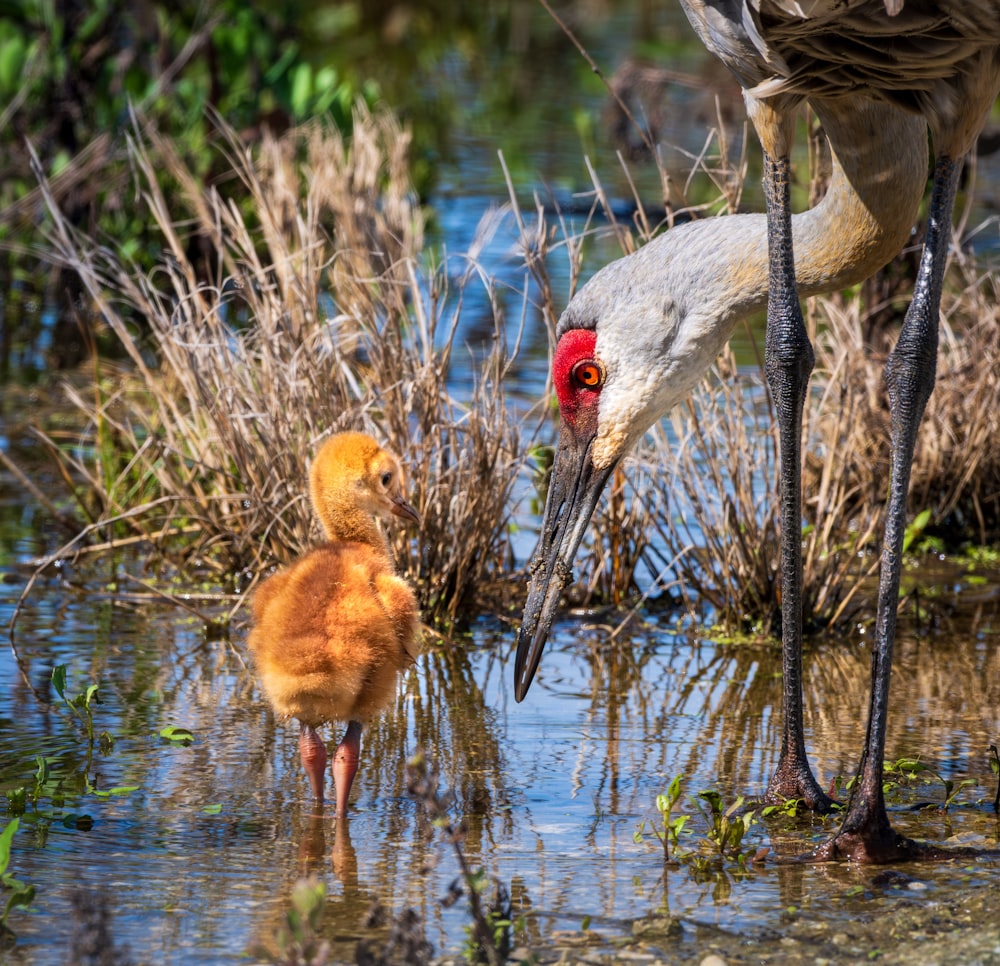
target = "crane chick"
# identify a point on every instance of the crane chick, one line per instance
(333, 631)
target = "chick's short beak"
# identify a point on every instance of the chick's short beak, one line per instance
(400, 508)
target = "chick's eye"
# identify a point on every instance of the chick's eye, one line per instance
(589, 374)
(386, 479)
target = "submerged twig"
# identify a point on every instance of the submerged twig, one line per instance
(491, 924)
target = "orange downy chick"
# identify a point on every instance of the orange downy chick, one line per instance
(333, 631)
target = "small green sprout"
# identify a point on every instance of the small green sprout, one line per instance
(177, 735)
(21, 894)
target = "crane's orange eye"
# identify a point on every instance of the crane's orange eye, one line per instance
(589, 374)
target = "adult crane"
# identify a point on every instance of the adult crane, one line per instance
(640, 334)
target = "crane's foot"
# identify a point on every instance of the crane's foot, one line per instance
(794, 780)
(867, 837)
(878, 847)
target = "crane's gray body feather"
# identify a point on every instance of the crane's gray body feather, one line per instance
(929, 58)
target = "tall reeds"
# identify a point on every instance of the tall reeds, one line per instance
(956, 471)
(290, 303)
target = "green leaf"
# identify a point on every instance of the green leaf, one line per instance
(118, 790)
(41, 770)
(12, 57)
(212, 809)
(910, 766)
(916, 529)
(180, 736)
(59, 680)
(302, 88)
(278, 68)
(5, 839)
(21, 896)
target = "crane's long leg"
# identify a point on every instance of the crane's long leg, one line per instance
(788, 362)
(866, 835)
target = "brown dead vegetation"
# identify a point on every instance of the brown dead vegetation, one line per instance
(270, 323)
(301, 308)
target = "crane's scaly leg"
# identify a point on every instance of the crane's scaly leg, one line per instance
(866, 834)
(788, 362)
(313, 753)
(345, 765)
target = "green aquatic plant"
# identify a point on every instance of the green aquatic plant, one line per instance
(906, 771)
(790, 807)
(917, 540)
(80, 704)
(723, 834)
(60, 784)
(726, 826)
(177, 735)
(45, 786)
(21, 893)
(671, 825)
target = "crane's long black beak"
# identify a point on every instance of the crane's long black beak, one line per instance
(574, 490)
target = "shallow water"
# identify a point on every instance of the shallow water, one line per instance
(197, 863)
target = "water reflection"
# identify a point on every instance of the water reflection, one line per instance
(203, 855)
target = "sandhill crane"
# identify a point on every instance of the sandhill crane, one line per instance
(638, 336)
(333, 631)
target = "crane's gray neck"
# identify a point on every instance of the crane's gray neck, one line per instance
(708, 275)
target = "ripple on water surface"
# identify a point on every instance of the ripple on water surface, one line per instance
(195, 848)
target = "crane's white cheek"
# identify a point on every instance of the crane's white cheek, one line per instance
(627, 409)
(608, 448)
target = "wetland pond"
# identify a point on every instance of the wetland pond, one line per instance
(194, 847)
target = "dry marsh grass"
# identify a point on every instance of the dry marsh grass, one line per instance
(722, 480)
(956, 470)
(697, 504)
(290, 307)
(295, 305)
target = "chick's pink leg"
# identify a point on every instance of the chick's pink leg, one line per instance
(313, 752)
(345, 764)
